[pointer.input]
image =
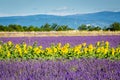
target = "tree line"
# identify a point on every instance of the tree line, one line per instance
(55, 27)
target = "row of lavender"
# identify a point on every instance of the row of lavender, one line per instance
(73, 40)
(80, 69)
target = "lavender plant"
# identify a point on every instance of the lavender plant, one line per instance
(73, 40)
(77, 69)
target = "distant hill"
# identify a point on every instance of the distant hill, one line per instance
(97, 19)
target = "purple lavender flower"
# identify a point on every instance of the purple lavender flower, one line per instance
(81, 69)
(73, 40)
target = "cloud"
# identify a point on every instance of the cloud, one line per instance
(20, 14)
(62, 8)
(3, 14)
(62, 11)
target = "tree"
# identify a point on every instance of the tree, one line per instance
(82, 27)
(25, 28)
(115, 26)
(15, 27)
(64, 27)
(1, 28)
(59, 28)
(31, 28)
(54, 26)
(46, 27)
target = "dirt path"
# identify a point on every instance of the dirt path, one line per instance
(59, 33)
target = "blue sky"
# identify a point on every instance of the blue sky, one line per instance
(56, 7)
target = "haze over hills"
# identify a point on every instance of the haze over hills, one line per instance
(102, 19)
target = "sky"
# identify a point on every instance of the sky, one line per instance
(56, 7)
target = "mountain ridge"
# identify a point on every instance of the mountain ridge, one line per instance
(102, 19)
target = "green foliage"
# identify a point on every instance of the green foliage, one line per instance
(55, 27)
(89, 28)
(82, 27)
(94, 28)
(24, 51)
(46, 27)
(15, 27)
(114, 27)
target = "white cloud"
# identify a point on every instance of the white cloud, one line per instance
(62, 8)
(3, 14)
(62, 11)
(7, 15)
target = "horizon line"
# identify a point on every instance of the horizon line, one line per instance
(55, 14)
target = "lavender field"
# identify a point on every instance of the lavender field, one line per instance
(73, 40)
(80, 69)
(59, 69)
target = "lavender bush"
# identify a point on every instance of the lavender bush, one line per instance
(73, 40)
(80, 69)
